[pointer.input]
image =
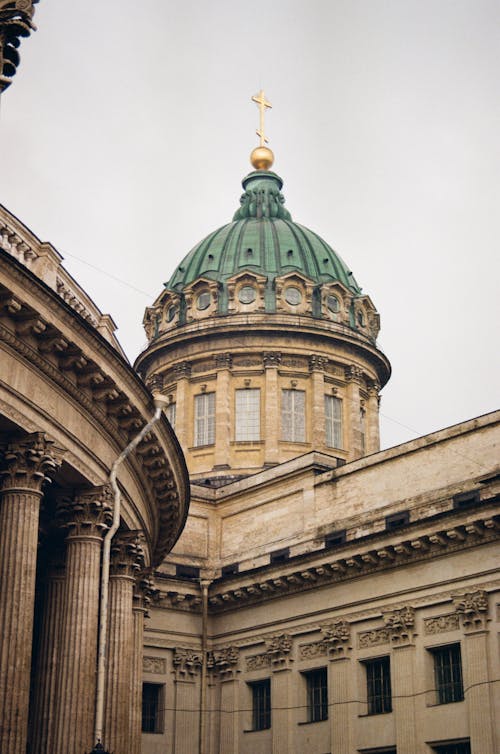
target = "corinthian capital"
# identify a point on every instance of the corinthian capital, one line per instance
(15, 22)
(473, 609)
(88, 513)
(127, 554)
(28, 462)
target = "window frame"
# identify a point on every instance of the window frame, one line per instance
(171, 413)
(316, 694)
(378, 689)
(261, 704)
(158, 716)
(448, 677)
(204, 419)
(334, 425)
(294, 416)
(245, 415)
(459, 746)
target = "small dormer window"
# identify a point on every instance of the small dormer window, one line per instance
(171, 313)
(247, 294)
(361, 319)
(293, 296)
(333, 304)
(203, 300)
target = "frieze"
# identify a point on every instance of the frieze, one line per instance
(256, 662)
(156, 665)
(187, 663)
(373, 638)
(277, 654)
(312, 650)
(401, 624)
(441, 624)
(224, 661)
(472, 608)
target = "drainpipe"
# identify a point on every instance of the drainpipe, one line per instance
(160, 403)
(204, 584)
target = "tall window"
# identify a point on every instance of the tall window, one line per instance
(378, 686)
(448, 674)
(204, 419)
(170, 414)
(317, 695)
(152, 708)
(293, 415)
(247, 413)
(362, 429)
(333, 421)
(261, 704)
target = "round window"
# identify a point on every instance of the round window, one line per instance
(333, 304)
(170, 313)
(203, 300)
(293, 296)
(247, 294)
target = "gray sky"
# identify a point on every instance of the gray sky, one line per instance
(126, 134)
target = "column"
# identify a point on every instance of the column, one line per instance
(337, 638)
(182, 374)
(142, 590)
(223, 665)
(279, 649)
(403, 673)
(372, 419)
(126, 556)
(187, 666)
(473, 609)
(26, 464)
(223, 429)
(45, 673)
(272, 409)
(353, 408)
(317, 366)
(86, 518)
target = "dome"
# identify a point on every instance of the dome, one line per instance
(264, 239)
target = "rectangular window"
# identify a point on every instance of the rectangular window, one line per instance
(378, 686)
(204, 419)
(261, 704)
(333, 421)
(448, 674)
(170, 414)
(362, 429)
(317, 695)
(247, 414)
(460, 747)
(152, 708)
(293, 415)
(395, 520)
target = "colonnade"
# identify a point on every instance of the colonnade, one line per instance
(58, 660)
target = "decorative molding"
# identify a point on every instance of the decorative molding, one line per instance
(223, 361)
(401, 625)
(271, 359)
(28, 462)
(88, 513)
(373, 638)
(335, 644)
(127, 554)
(224, 661)
(440, 624)
(473, 609)
(312, 650)
(317, 363)
(156, 665)
(353, 373)
(182, 370)
(278, 654)
(187, 663)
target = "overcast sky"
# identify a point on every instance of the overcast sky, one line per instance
(126, 134)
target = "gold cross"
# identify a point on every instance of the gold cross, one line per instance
(262, 103)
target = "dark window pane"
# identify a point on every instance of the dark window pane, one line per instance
(448, 674)
(459, 748)
(378, 684)
(261, 704)
(317, 695)
(151, 708)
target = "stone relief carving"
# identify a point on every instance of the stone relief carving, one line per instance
(315, 649)
(335, 642)
(278, 653)
(472, 608)
(157, 665)
(441, 623)
(224, 661)
(400, 624)
(271, 359)
(187, 663)
(373, 638)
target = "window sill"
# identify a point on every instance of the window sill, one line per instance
(375, 714)
(313, 722)
(444, 704)
(256, 730)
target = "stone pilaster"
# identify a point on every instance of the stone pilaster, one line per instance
(187, 667)
(86, 518)
(372, 439)
(317, 365)
(473, 612)
(26, 464)
(182, 374)
(45, 673)
(401, 624)
(337, 639)
(353, 379)
(272, 409)
(223, 427)
(126, 560)
(142, 591)
(223, 665)
(280, 651)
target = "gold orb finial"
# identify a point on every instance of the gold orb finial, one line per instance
(262, 158)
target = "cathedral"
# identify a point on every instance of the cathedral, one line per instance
(208, 551)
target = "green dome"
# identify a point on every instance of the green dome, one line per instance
(263, 239)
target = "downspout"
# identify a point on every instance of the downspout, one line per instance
(160, 403)
(204, 584)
